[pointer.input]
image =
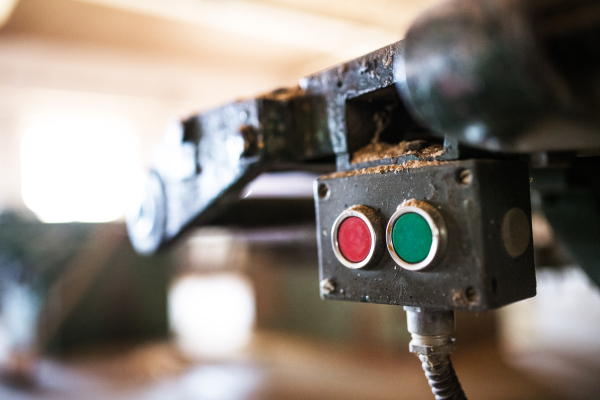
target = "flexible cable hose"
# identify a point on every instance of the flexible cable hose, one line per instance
(442, 378)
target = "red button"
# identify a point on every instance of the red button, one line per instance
(354, 239)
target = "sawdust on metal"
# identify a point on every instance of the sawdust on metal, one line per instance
(378, 150)
(382, 169)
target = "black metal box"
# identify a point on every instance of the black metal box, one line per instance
(488, 257)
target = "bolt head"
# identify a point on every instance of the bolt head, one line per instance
(328, 286)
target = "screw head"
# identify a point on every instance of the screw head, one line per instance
(328, 286)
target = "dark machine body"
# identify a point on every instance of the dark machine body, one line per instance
(476, 272)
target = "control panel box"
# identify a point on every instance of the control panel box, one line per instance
(442, 235)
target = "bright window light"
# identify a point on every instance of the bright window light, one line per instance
(281, 184)
(212, 316)
(79, 168)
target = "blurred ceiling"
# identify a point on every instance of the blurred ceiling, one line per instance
(147, 60)
(206, 51)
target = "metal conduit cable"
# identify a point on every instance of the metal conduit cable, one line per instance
(432, 342)
(442, 378)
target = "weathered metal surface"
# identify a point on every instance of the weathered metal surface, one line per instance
(202, 169)
(221, 151)
(476, 272)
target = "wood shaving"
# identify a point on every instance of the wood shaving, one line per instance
(377, 150)
(382, 169)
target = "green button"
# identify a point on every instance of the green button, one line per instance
(411, 237)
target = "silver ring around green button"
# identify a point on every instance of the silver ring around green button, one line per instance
(416, 235)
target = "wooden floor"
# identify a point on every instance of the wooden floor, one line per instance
(274, 367)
